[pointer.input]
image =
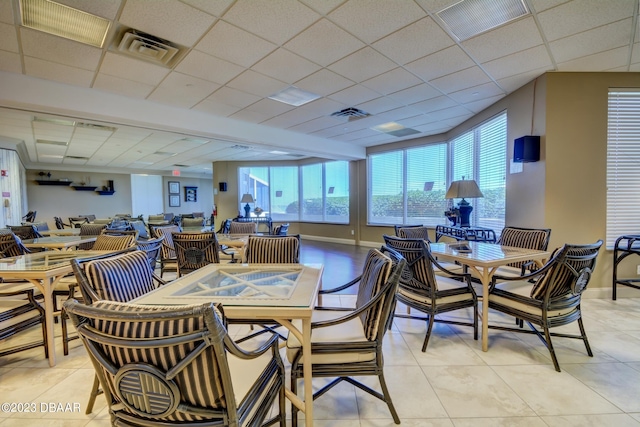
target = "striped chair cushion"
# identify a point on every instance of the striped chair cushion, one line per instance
(90, 230)
(199, 382)
(195, 250)
(192, 222)
(168, 251)
(522, 238)
(243, 227)
(375, 274)
(561, 276)
(413, 233)
(121, 277)
(105, 242)
(265, 250)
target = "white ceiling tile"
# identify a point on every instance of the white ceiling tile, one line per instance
(323, 7)
(362, 133)
(324, 43)
(355, 94)
(420, 92)
(330, 131)
(515, 82)
(514, 37)
(122, 86)
(401, 113)
(379, 105)
(518, 63)
(590, 42)
(322, 107)
(541, 5)
(182, 90)
(324, 82)
(57, 72)
(105, 8)
(578, 16)
(434, 6)
(212, 7)
(370, 20)
(486, 90)
(392, 81)
(434, 104)
(257, 84)
(55, 49)
(132, 69)
(314, 125)
(440, 63)
(8, 38)
(290, 118)
(415, 41)
(275, 20)
(415, 120)
(10, 62)
(362, 65)
(250, 116)
(286, 66)
(481, 104)
(6, 12)
(215, 108)
(167, 19)
(234, 44)
(233, 97)
(599, 62)
(454, 82)
(269, 107)
(207, 67)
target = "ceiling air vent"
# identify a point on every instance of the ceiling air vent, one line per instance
(240, 147)
(182, 166)
(50, 142)
(147, 47)
(95, 127)
(350, 114)
(76, 158)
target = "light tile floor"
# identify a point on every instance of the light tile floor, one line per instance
(453, 383)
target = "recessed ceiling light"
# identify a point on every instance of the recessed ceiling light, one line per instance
(388, 127)
(278, 152)
(50, 142)
(50, 156)
(469, 18)
(195, 140)
(54, 121)
(294, 96)
(64, 21)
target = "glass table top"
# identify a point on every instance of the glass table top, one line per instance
(44, 260)
(252, 283)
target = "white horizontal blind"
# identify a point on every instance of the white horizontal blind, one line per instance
(492, 170)
(623, 164)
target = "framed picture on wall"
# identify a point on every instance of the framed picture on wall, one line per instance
(174, 200)
(174, 187)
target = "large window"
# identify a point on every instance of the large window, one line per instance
(317, 192)
(408, 186)
(623, 158)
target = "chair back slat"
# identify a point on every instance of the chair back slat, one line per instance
(527, 238)
(412, 232)
(375, 273)
(243, 227)
(273, 249)
(419, 275)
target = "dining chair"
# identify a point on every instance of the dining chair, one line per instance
(225, 226)
(19, 312)
(412, 232)
(152, 248)
(168, 261)
(273, 249)
(430, 293)
(195, 250)
(550, 296)
(11, 245)
(30, 216)
(163, 365)
(25, 231)
(60, 224)
(243, 227)
(112, 277)
(347, 342)
(77, 221)
(90, 230)
(527, 238)
(193, 222)
(281, 229)
(140, 226)
(114, 242)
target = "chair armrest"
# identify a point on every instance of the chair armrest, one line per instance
(339, 288)
(525, 277)
(158, 279)
(272, 343)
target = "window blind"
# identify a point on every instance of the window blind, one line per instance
(623, 158)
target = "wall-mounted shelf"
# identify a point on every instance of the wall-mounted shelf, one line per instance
(84, 188)
(105, 192)
(44, 182)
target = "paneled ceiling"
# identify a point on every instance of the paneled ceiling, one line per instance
(393, 59)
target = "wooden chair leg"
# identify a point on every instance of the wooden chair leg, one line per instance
(95, 391)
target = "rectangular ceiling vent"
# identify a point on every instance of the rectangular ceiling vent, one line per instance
(76, 157)
(148, 48)
(295, 155)
(48, 141)
(240, 147)
(350, 114)
(181, 166)
(468, 18)
(96, 127)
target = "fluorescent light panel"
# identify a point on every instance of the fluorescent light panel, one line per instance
(63, 21)
(294, 96)
(55, 121)
(469, 18)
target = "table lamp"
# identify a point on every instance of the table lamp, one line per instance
(461, 189)
(247, 198)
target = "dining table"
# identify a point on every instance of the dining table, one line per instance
(284, 293)
(62, 232)
(484, 259)
(58, 243)
(43, 270)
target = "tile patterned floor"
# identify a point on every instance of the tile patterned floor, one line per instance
(453, 383)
